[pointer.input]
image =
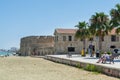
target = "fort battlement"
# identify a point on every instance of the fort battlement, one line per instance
(37, 44)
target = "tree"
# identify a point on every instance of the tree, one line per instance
(115, 18)
(99, 26)
(82, 32)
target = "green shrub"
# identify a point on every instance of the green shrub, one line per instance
(91, 67)
(78, 65)
(87, 67)
(109, 52)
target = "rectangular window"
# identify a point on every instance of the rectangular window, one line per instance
(64, 38)
(71, 49)
(113, 38)
(70, 38)
(56, 38)
(91, 39)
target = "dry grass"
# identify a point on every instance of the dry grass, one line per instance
(27, 68)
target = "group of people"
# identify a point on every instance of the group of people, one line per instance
(105, 57)
(102, 58)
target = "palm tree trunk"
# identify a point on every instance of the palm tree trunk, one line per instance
(84, 46)
(100, 43)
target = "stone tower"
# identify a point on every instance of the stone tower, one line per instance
(37, 45)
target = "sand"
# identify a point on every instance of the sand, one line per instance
(29, 68)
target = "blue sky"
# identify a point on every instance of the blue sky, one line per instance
(21, 18)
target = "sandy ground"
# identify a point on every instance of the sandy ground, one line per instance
(28, 68)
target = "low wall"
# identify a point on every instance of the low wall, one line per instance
(88, 66)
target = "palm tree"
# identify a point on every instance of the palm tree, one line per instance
(115, 18)
(82, 32)
(99, 26)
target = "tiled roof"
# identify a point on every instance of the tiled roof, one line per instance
(73, 31)
(69, 31)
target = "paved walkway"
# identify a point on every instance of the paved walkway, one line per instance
(92, 60)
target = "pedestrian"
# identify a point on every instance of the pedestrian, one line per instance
(103, 58)
(91, 50)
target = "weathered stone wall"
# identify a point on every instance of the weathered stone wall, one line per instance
(62, 46)
(41, 45)
(37, 45)
(108, 70)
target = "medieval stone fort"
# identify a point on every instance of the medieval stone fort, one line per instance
(37, 45)
(64, 41)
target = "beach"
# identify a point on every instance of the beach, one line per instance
(31, 68)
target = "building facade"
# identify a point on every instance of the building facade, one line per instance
(37, 45)
(65, 41)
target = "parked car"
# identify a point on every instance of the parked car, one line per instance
(116, 50)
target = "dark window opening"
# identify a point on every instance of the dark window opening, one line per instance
(112, 46)
(113, 38)
(91, 39)
(71, 49)
(70, 38)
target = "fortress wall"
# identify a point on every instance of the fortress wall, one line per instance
(37, 45)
